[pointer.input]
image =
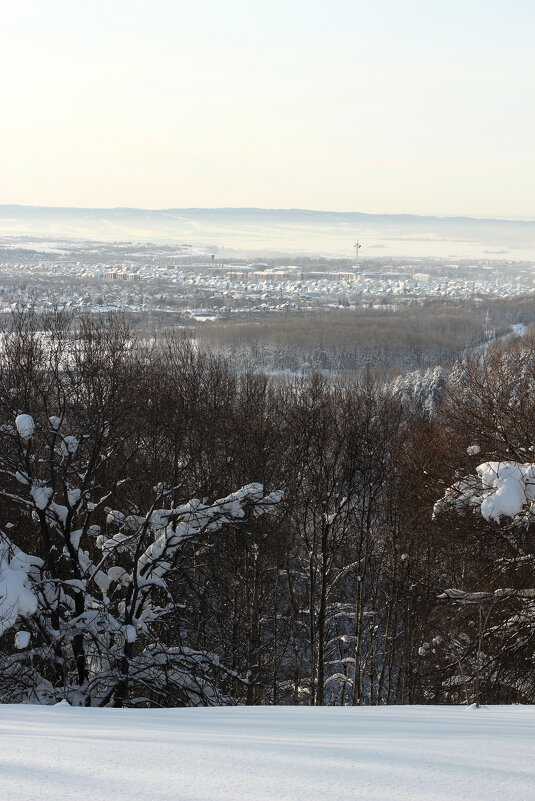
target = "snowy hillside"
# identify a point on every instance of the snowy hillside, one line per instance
(256, 754)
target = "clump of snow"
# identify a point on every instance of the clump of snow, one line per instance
(25, 425)
(59, 513)
(268, 503)
(75, 538)
(41, 494)
(73, 496)
(55, 422)
(16, 596)
(512, 485)
(22, 639)
(69, 446)
(473, 450)
(130, 633)
(114, 516)
(500, 489)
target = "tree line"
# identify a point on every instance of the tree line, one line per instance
(407, 337)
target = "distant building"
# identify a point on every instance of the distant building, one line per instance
(422, 276)
(114, 275)
(276, 275)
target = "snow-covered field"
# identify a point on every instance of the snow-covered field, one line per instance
(256, 754)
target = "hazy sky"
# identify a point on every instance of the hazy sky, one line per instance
(384, 106)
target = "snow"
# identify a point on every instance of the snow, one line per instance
(519, 329)
(130, 633)
(22, 639)
(69, 446)
(267, 753)
(473, 450)
(16, 598)
(41, 494)
(500, 489)
(25, 425)
(512, 486)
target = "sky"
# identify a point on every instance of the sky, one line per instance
(384, 107)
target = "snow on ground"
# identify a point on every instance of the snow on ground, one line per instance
(256, 754)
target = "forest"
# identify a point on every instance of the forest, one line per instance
(176, 532)
(385, 338)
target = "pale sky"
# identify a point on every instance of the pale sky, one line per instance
(344, 105)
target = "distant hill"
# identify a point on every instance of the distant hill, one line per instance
(270, 231)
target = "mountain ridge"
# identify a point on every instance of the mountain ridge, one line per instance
(250, 230)
(268, 211)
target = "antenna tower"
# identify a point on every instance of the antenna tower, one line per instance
(357, 247)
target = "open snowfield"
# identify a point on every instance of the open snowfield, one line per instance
(256, 754)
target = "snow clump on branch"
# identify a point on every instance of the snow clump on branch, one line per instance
(17, 598)
(500, 489)
(25, 425)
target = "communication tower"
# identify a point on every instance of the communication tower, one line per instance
(357, 247)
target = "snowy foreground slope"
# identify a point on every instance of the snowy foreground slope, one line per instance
(256, 754)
